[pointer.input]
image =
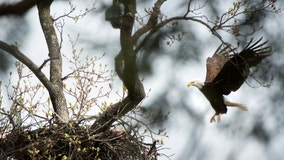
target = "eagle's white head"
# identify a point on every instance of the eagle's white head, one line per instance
(197, 83)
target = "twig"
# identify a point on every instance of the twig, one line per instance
(44, 63)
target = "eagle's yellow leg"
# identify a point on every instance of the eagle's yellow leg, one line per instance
(218, 118)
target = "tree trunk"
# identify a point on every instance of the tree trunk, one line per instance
(125, 66)
(57, 97)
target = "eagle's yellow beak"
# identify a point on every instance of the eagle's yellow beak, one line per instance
(190, 84)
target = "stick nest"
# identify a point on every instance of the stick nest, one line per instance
(70, 142)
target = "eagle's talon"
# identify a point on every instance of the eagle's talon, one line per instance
(213, 119)
(219, 117)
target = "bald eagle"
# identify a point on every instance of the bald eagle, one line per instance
(226, 72)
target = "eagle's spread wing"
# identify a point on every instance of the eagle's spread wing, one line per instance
(255, 53)
(230, 73)
(214, 65)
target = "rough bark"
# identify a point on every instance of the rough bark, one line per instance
(57, 98)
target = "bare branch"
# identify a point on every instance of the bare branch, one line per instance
(151, 22)
(188, 8)
(13, 50)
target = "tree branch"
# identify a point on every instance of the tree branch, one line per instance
(125, 66)
(18, 8)
(58, 99)
(151, 22)
(26, 61)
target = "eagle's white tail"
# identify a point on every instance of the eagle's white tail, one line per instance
(233, 104)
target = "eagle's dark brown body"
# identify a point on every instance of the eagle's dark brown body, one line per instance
(216, 101)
